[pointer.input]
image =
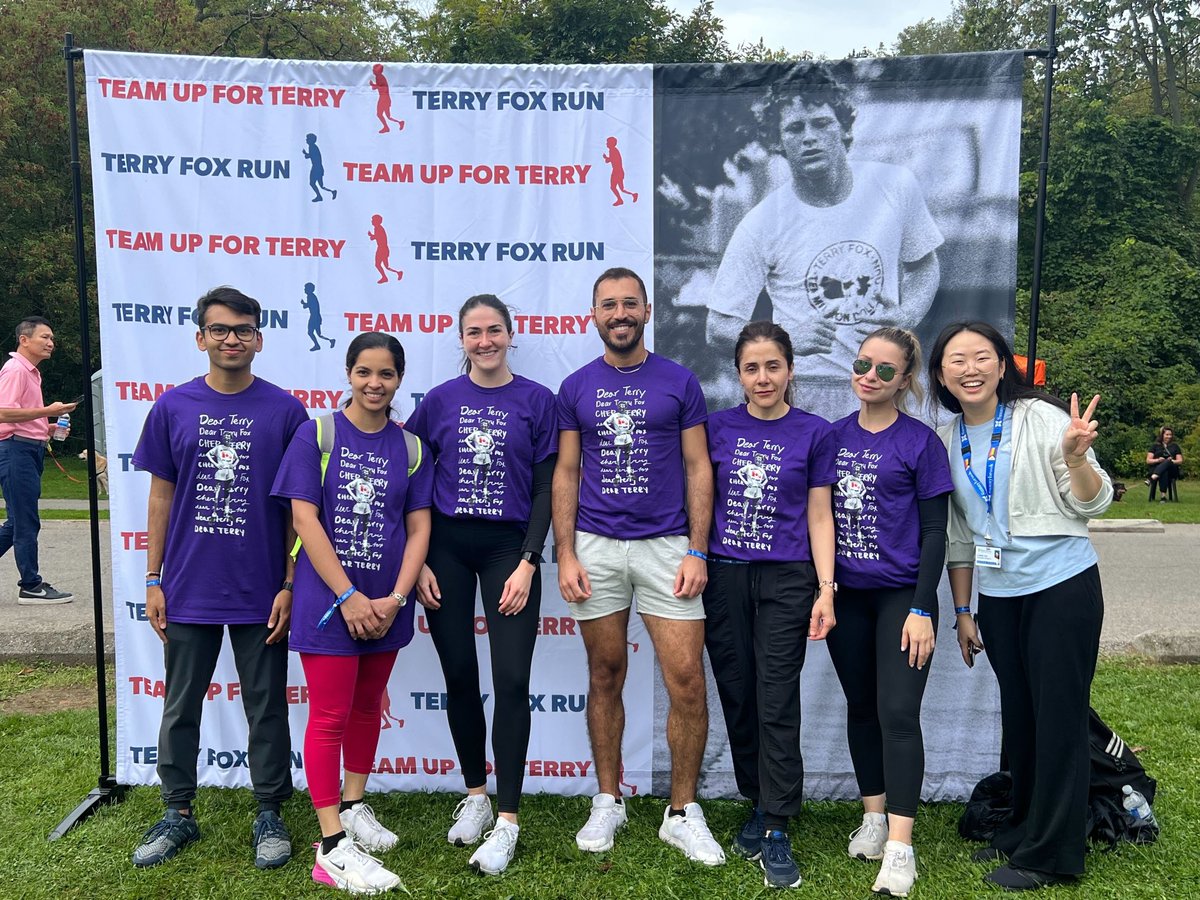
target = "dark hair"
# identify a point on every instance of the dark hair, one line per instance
(811, 84)
(491, 301)
(231, 297)
(762, 330)
(1012, 385)
(372, 340)
(28, 325)
(911, 346)
(615, 273)
(1162, 431)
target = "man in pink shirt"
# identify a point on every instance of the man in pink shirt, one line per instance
(24, 430)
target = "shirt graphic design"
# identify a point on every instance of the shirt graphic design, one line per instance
(362, 492)
(751, 494)
(621, 416)
(482, 472)
(858, 514)
(222, 484)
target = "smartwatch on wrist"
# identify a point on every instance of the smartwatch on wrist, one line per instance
(532, 557)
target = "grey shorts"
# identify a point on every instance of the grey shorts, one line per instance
(620, 570)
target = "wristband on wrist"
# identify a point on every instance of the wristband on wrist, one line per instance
(154, 582)
(829, 584)
(920, 612)
(287, 586)
(698, 554)
(342, 598)
(962, 610)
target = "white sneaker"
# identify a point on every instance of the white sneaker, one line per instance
(898, 872)
(472, 815)
(607, 817)
(867, 840)
(348, 867)
(690, 834)
(360, 823)
(497, 849)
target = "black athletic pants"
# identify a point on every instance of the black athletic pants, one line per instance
(1043, 649)
(461, 552)
(190, 658)
(756, 634)
(883, 694)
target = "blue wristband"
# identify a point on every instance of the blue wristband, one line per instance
(920, 612)
(342, 598)
(962, 610)
(154, 582)
(697, 554)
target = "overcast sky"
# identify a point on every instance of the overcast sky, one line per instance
(822, 26)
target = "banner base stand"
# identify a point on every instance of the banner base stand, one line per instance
(106, 793)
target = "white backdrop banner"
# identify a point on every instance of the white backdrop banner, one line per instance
(352, 197)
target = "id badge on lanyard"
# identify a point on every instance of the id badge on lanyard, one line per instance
(988, 557)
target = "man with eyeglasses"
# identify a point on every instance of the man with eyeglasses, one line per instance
(632, 502)
(845, 247)
(218, 559)
(24, 429)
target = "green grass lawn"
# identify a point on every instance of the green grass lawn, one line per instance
(47, 765)
(1135, 506)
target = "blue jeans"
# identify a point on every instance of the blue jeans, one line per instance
(21, 481)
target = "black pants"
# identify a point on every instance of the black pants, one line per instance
(190, 657)
(1167, 472)
(883, 694)
(1043, 649)
(461, 552)
(756, 633)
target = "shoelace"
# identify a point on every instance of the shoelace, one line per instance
(506, 837)
(598, 817)
(896, 859)
(698, 827)
(776, 849)
(869, 830)
(365, 812)
(355, 850)
(476, 810)
(270, 827)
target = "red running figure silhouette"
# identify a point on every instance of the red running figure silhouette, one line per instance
(617, 181)
(383, 106)
(382, 254)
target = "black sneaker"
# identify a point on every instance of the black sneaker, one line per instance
(43, 595)
(166, 837)
(779, 869)
(272, 842)
(748, 843)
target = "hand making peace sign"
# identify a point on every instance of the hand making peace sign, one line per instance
(1081, 433)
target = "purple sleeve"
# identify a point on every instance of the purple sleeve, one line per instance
(153, 452)
(567, 420)
(420, 486)
(545, 441)
(299, 475)
(695, 411)
(418, 422)
(822, 459)
(933, 469)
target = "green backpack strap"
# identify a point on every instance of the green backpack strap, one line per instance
(416, 451)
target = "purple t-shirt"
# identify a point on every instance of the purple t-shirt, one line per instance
(763, 469)
(632, 481)
(880, 478)
(362, 505)
(223, 561)
(485, 442)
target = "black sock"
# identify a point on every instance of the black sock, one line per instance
(186, 813)
(328, 843)
(676, 812)
(268, 806)
(346, 804)
(775, 823)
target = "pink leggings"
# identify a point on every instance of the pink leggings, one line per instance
(345, 694)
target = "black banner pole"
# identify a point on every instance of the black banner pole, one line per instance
(107, 791)
(1035, 287)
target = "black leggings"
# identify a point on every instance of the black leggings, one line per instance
(462, 551)
(883, 694)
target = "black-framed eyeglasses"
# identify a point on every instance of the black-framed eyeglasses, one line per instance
(885, 371)
(220, 332)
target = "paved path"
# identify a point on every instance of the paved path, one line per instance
(1151, 576)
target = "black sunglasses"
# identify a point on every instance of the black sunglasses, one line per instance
(883, 370)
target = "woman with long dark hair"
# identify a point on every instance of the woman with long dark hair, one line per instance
(351, 613)
(770, 585)
(1025, 484)
(890, 503)
(494, 438)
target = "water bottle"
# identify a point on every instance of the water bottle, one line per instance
(62, 427)
(1137, 807)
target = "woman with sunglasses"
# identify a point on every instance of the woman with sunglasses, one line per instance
(351, 614)
(1025, 484)
(890, 502)
(494, 436)
(770, 584)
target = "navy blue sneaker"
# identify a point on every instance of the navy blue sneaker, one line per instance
(748, 843)
(272, 843)
(165, 838)
(779, 869)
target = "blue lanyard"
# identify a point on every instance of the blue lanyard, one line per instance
(984, 491)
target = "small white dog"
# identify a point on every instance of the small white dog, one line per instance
(101, 469)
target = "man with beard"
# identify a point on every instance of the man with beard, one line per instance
(847, 246)
(622, 527)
